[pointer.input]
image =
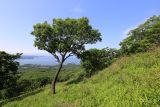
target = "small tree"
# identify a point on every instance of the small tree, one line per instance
(64, 38)
(93, 60)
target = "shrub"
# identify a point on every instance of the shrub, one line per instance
(94, 59)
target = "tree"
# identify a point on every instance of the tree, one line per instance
(93, 60)
(8, 70)
(8, 74)
(143, 37)
(64, 38)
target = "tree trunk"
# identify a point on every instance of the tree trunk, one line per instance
(53, 87)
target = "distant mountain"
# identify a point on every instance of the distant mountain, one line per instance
(28, 56)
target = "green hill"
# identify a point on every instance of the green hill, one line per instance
(132, 81)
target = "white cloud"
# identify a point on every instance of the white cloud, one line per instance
(126, 31)
(77, 10)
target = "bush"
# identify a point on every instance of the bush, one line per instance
(94, 59)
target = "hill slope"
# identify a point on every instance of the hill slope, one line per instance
(130, 81)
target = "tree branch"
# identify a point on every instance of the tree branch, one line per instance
(68, 56)
(56, 56)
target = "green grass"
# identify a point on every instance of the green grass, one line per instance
(129, 82)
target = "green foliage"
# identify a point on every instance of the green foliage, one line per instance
(8, 74)
(142, 38)
(65, 36)
(93, 60)
(8, 69)
(129, 82)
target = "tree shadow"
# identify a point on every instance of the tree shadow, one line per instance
(76, 80)
(21, 96)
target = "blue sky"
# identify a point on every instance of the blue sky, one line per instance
(113, 18)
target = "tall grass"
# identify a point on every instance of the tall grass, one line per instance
(129, 82)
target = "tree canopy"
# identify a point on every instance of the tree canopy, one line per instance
(65, 36)
(8, 69)
(143, 37)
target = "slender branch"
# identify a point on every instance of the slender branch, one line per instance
(56, 56)
(68, 56)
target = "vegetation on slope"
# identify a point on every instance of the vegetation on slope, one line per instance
(130, 81)
(142, 38)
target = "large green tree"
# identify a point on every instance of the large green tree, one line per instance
(64, 38)
(143, 37)
(8, 70)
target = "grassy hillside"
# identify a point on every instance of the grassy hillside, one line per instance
(129, 82)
